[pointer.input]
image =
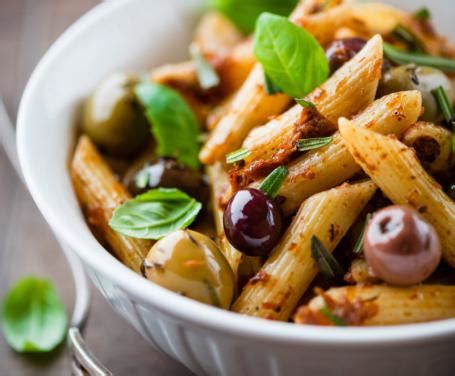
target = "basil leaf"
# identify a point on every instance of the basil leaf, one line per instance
(422, 14)
(403, 57)
(290, 56)
(304, 103)
(237, 155)
(306, 144)
(328, 265)
(155, 214)
(34, 319)
(206, 74)
(270, 87)
(333, 318)
(245, 12)
(272, 183)
(174, 125)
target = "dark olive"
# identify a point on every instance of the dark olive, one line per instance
(191, 264)
(252, 222)
(166, 173)
(113, 119)
(400, 246)
(342, 50)
(424, 79)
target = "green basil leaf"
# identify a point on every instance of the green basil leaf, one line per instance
(333, 318)
(290, 56)
(245, 12)
(328, 265)
(34, 319)
(206, 74)
(403, 57)
(304, 103)
(237, 155)
(422, 14)
(270, 87)
(306, 144)
(174, 125)
(155, 214)
(272, 183)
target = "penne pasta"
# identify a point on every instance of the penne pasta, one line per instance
(398, 173)
(364, 305)
(99, 193)
(432, 143)
(330, 165)
(276, 289)
(349, 90)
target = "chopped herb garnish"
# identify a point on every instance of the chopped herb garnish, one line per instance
(238, 155)
(206, 74)
(270, 87)
(422, 14)
(447, 110)
(328, 265)
(333, 318)
(272, 183)
(313, 143)
(403, 57)
(358, 247)
(304, 103)
(408, 37)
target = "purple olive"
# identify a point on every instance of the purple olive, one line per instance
(342, 50)
(400, 246)
(253, 222)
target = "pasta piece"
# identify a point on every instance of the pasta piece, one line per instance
(379, 305)
(330, 165)
(350, 89)
(216, 34)
(99, 193)
(218, 112)
(276, 289)
(359, 272)
(251, 106)
(219, 182)
(396, 170)
(432, 143)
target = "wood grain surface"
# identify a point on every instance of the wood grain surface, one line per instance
(27, 246)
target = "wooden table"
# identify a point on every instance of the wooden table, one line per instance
(27, 246)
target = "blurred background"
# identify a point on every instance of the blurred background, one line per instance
(27, 246)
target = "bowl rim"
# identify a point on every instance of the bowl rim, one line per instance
(185, 309)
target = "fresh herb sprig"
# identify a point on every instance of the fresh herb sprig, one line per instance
(328, 265)
(422, 14)
(272, 183)
(245, 12)
(237, 155)
(173, 123)
(304, 103)
(207, 76)
(358, 246)
(291, 57)
(155, 214)
(333, 318)
(403, 57)
(446, 109)
(33, 317)
(306, 144)
(407, 36)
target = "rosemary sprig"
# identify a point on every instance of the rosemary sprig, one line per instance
(272, 183)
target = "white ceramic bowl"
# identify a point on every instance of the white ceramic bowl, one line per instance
(135, 35)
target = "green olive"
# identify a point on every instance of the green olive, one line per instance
(113, 119)
(191, 264)
(424, 79)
